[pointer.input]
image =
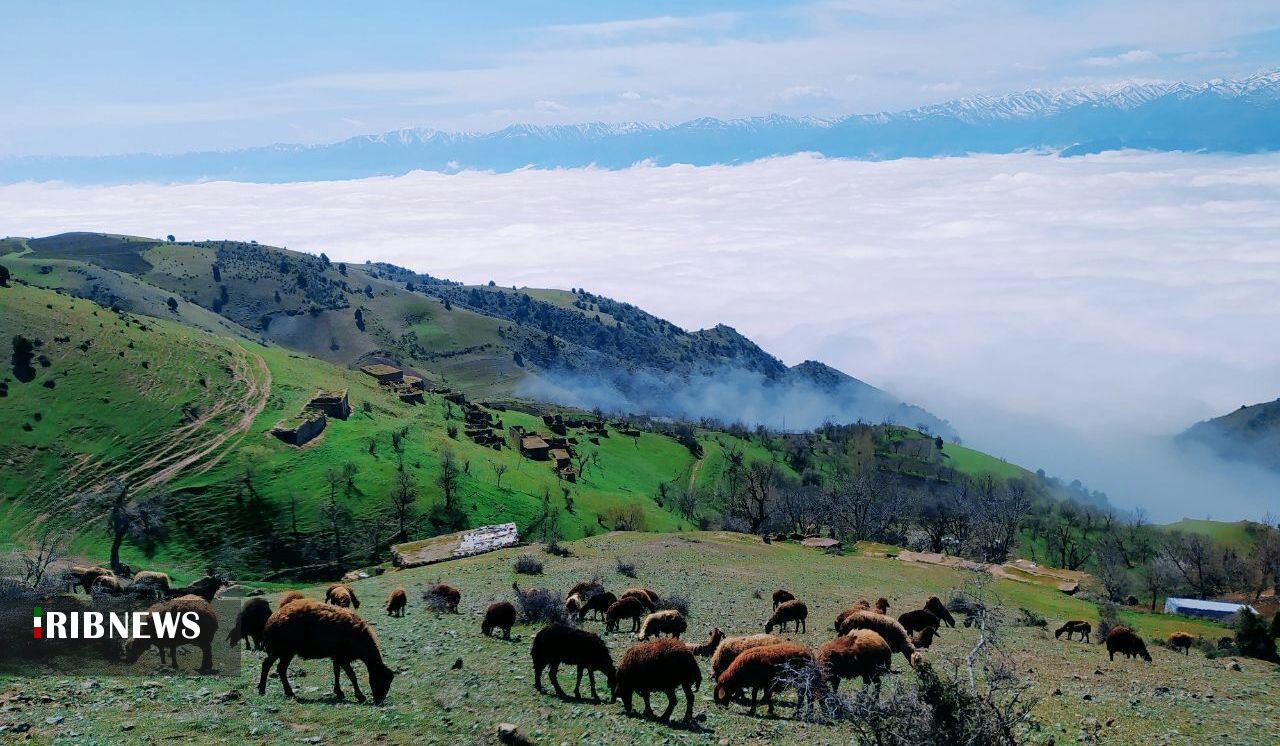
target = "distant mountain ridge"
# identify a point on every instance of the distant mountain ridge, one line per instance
(1250, 434)
(1238, 116)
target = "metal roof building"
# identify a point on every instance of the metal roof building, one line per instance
(1202, 608)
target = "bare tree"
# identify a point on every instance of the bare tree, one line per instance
(1197, 561)
(142, 521)
(449, 479)
(499, 468)
(339, 520)
(404, 493)
(753, 503)
(36, 561)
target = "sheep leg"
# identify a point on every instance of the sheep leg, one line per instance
(803, 626)
(591, 676)
(537, 678)
(266, 669)
(835, 683)
(555, 681)
(355, 683)
(768, 698)
(206, 657)
(577, 689)
(282, 669)
(754, 691)
(671, 704)
(337, 680)
(688, 702)
(648, 711)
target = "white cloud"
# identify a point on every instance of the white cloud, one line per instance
(1132, 57)
(1108, 301)
(652, 25)
(549, 106)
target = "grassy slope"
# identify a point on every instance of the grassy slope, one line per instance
(973, 462)
(1235, 534)
(430, 703)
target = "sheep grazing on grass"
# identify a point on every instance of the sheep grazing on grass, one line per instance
(250, 623)
(208, 625)
(584, 589)
(597, 606)
(705, 649)
(644, 595)
(788, 612)
(732, 647)
(1075, 626)
(624, 608)
(667, 621)
(573, 603)
(923, 639)
(500, 615)
(885, 626)
(206, 587)
(151, 583)
(449, 597)
(939, 609)
(781, 596)
(312, 630)
(881, 607)
(78, 575)
(658, 666)
(1182, 641)
(760, 669)
(341, 595)
(396, 602)
(862, 653)
(106, 584)
(558, 644)
(1126, 642)
(289, 597)
(914, 621)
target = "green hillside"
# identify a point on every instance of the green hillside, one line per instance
(1250, 434)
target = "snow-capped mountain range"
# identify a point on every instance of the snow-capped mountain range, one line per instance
(1241, 116)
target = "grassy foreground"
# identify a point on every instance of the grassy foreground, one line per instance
(1084, 696)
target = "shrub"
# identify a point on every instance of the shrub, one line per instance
(626, 568)
(526, 564)
(557, 550)
(1253, 638)
(1028, 618)
(436, 602)
(677, 602)
(624, 518)
(453, 431)
(1108, 619)
(540, 605)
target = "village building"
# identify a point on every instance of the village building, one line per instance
(384, 373)
(1207, 609)
(301, 429)
(332, 403)
(534, 447)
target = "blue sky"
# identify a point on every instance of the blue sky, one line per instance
(92, 77)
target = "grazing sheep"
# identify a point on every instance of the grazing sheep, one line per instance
(923, 639)
(208, 624)
(658, 666)
(732, 647)
(704, 649)
(1073, 627)
(758, 669)
(914, 621)
(628, 607)
(313, 630)
(206, 588)
(1126, 642)
(1182, 641)
(151, 582)
(341, 595)
(667, 621)
(250, 623)
(108, 584)
(882, 607)
(939, 609)
(289, 597)
(786, 613)
(862, 652)
(500, 615)
(887, 627)
(597, 606)
(646, 597)
(78, 575)
(448, 595)
(781, 596)
(584, 590)
(396, 602)
(558, 643)
(573, 603)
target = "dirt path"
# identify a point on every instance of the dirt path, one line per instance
(693, 474)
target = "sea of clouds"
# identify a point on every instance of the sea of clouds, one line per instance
(1070, 314)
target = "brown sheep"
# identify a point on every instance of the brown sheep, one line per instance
(667, 621)
(860, 653)
(151, 582)
(923, 639)
(882, 607)
(781, 596)
(290, 596)
(646, 597)
(108, 584)
(887, 627)
(313, 630)
(658, 666)
(500, 615)
(449, 596)
(584, 590)
(1126, 642)
(78, 575)
(573, 603)
(396, 602)
(1182, 641)
(705, 649)
(939, 609)
(914, 621)
(558, 643)
(208, 624)
(624, 608)
(250, 623)
(732, 647)
(758, 669)
(786, 613)
(597, 606)
(341, 595)
(1073, 627)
